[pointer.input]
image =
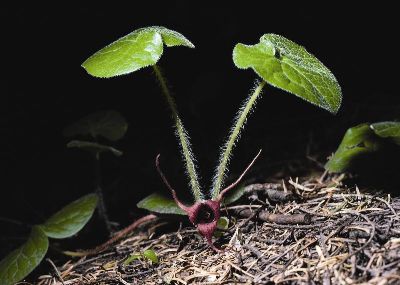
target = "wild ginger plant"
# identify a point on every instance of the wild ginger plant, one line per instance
(109, 125)
(275, 59)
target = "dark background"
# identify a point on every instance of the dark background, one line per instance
(45, 89)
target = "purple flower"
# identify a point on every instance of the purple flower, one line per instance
(204, 214)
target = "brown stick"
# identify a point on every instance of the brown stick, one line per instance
(262, 186)
(119, 235)
(271, 191)
(282, 219)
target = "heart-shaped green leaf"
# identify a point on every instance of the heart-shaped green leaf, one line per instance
(19, 263)
(158, 203)
(141, 48)
(72, 218)
(357, 141)
(108, 124)
(93, 147)
(389, 130)
(287, 65)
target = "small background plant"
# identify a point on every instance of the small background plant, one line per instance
(63, 224)
(362, 140)
(109, 125)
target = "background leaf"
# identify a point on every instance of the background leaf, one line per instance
(93, 147)
(108, 124)
(139, 49)
(132, 257)
(388, 130)
(148, 254)
(151, 255)
(158, 203)
(287, 65)
(357, 141)
(72, 218)
(19, 263)
(223, 223)
(234, 194)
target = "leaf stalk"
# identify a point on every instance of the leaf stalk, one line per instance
(234, 136)
(182, 136)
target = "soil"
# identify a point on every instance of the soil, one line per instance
(347, 236)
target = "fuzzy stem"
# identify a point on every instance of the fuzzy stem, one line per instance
(234, 135)
(182, 136)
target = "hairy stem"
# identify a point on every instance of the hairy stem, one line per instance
(182, 136)
(234, 135)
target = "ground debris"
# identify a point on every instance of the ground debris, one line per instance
(353, 238)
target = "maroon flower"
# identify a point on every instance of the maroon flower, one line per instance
(204, 214)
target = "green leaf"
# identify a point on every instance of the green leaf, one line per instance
(139, 49)
(148, 254)
(132, 257)
(93, 147)
(108, 124)
(357, 141)
(288, 66)
(234, 194)
(151, 255)
(19, 263)
(72, 218)
(158, 203)
(223, 223)
(170, 37)
(389, 130)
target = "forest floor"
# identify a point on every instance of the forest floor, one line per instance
(323, 232)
